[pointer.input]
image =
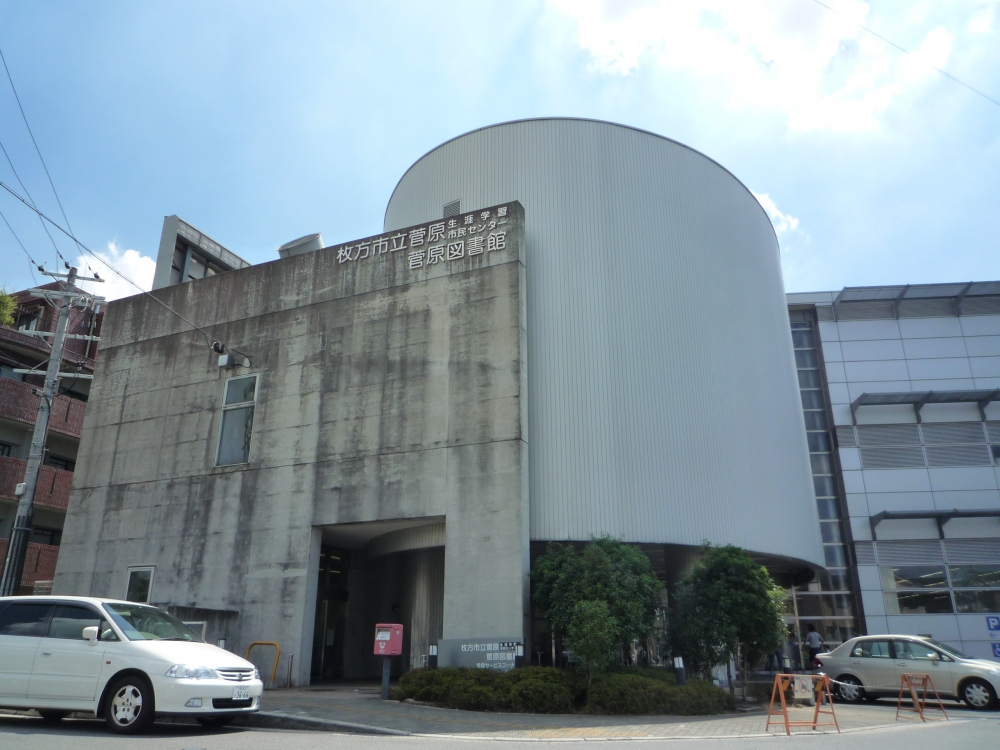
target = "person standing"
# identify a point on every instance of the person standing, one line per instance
(814, 642)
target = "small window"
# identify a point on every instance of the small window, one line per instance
(996, 454)
(237, 421)
(914, 577)
(68, 622)
(140, 581)
(60, 462)
(46, 535)
(975, 576)
(872, 650)
(26, 619)
(6, 449)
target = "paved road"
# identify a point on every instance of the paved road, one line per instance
(18, 733)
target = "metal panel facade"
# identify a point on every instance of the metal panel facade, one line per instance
(662, 392)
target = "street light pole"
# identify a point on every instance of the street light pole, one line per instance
(18, 545)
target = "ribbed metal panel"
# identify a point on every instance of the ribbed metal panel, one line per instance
(909, 552)
(663, 402)
(958, 455)
(864, 552)
(993, 431)
(824, 312)
(846, 438)
(870, 310)
(420, 537)
(943, 433)
(981, 306)
(888, 434)
(971, 551)
(894, 457)
(926, 308)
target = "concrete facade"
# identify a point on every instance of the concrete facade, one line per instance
(388, 398)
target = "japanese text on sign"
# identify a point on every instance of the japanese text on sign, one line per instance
(438, 243)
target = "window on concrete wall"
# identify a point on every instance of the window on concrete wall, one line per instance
(237, 421)
(6, 449)
(140, 583)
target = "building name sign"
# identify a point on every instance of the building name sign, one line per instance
(454, 238)
(479, 653)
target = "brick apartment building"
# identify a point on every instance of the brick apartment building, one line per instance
(22, 348)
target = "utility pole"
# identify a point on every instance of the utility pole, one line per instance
(18, 544)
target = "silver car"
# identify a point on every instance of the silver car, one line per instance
(870, 667)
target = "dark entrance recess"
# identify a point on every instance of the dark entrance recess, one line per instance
(331, 614)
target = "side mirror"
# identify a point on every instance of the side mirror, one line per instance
(90, 634)
(934, 656)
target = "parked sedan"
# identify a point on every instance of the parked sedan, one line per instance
(868, 667)
(126, 662)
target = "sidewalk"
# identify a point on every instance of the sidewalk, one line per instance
(358, 708)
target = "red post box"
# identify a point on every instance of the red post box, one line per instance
(388, 639)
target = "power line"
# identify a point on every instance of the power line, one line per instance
(32, 200)
(164, 305)
(37, 150)
(907, 52)
(30, 259)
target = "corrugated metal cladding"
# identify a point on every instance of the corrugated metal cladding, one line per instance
(662, 396)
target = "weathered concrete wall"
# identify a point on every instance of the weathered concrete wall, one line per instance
(384, 392)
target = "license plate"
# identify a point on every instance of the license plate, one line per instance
(241, 693)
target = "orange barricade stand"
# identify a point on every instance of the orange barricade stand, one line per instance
(821, 686)
(917, 685)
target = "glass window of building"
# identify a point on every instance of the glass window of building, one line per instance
(237, 421)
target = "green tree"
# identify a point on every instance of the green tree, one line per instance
(607, 570)
(593, 636)
(8, 305)
(728, 608)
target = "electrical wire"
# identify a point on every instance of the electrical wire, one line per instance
(23, 187)
(30, 259)
(37, 150)
(164, 305)
(907, 52)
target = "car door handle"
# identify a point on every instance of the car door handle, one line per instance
(900, 663)
(46, 653)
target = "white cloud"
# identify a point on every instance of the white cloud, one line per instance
(816, 67)
(139, 268)
(782, 222)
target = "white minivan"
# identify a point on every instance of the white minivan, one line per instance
(126, 662)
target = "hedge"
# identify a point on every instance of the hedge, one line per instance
(547, 690)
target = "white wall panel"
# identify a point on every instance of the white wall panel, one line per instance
(950, 384)
(862, 330)
(861, 530)
(897, 501)
(873, 602)
(653, 275)
(859, 351)
(985, 367)
(925, 328)
(982, 346)
(970, 478)
(927, 369)
(897, 480)
(857, 502)
(828, 331)
(854, 482)
(934, 348)
(939, 627)
(855, 389)
(966, 499)
(888, 370)
(980, 325)
(850, 459)
(832, 351)
(835, 372)
(839, 395)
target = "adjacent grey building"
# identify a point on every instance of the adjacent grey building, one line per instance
(901, 387)
(567, 328)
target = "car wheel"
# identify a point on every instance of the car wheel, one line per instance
(978, 694)
(214, 722)
(51, 717)
(849, 689)
(130, 708)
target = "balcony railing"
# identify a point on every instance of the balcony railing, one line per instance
(18, 402)
(52, 489)
(39, 563)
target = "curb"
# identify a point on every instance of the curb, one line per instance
(282, 720)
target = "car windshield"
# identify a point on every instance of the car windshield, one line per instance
(950, 650)
(141, 623)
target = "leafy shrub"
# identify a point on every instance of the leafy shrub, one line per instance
(628, 690)
(635, 694)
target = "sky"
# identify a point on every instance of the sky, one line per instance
(259, 122)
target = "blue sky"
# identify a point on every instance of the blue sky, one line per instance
(260, 122)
